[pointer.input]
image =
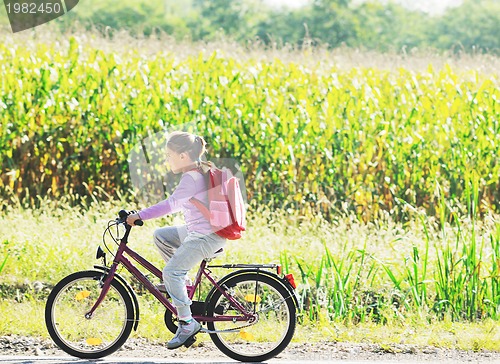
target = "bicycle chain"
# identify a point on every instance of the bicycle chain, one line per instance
(236, 329)
(241, 327)
(206, 331)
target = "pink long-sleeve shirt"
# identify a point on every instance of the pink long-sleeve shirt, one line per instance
(192, 184)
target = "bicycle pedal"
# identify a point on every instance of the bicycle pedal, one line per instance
(190, 341)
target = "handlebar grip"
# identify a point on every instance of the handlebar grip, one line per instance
(138, 222)
(123, 214)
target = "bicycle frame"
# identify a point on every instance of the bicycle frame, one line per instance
(120, 258)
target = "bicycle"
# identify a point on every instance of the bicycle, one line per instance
(250, 313)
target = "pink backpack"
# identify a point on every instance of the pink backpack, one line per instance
(226, 207)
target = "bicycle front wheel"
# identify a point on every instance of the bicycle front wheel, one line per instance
(271, 329)
(95, 337)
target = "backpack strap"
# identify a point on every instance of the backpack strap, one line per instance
(199, 205)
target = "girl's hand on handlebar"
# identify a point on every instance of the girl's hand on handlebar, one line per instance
(132, 218)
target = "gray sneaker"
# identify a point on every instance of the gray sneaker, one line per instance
(185, 334)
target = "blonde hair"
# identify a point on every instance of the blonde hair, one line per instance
(193, 145)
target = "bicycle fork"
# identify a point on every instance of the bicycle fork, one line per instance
(104, 289)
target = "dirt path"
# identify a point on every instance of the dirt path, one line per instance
(326, 351)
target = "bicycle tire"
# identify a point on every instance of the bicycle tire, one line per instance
(275, 324)
(93, 338)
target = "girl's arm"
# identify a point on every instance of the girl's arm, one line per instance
(184, 191)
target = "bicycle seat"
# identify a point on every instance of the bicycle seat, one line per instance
(216, 254)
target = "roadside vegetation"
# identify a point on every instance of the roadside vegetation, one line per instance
(384, 282)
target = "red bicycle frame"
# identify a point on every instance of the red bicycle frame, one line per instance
(120, 258)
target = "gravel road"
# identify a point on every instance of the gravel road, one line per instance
(326, 351)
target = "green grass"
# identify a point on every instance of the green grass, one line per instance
(375, 282)
(26, 318)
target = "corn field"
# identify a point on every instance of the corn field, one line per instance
(313, 138)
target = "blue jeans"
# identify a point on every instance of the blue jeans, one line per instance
(182, 250)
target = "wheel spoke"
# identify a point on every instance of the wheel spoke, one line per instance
(271, 307)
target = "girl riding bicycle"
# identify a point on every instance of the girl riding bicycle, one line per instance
(183, 247)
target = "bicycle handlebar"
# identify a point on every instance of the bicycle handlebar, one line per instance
(123, 214)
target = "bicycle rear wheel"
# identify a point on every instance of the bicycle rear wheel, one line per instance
(273, 328)
(104, 332)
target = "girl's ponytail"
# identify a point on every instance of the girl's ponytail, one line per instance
(199, 149)
(193, 145)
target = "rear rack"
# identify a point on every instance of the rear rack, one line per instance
(253, 266)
